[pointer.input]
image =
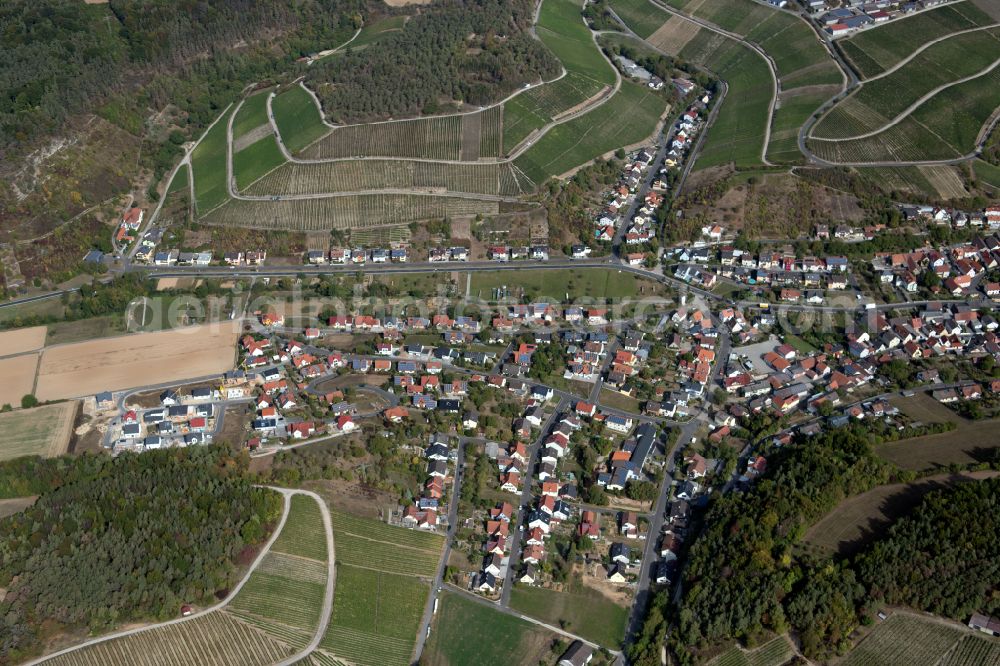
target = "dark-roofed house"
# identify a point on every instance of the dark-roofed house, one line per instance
(578, 654)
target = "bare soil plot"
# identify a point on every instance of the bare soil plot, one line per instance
(22, 340)
(130, 361)
(42, 431)
(858, 520)
(19, 378)
(945, 180)
(673, 35)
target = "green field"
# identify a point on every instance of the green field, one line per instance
(944, 127)
(466, 633)
(376, 31)
(877, 49)
(297, 118)
(256, 160)
(381, 590)
(41, 431)
(788, 118)
(987, 173)
(598, 131)
(586, 613)
(555, 285)
(208, 162)
(252, 114)
(773, 653)
(180, 181)
(303, 534)
(882, 99)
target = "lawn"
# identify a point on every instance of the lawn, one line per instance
(209, 165)
(587, 613)
(466, 633)
(860, 519)
(596, 132)
(800, 345)
(297, 117)
(41, 431)
(257, 159)
(554, 285)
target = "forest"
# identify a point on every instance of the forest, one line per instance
(473, 51)
(124, 539)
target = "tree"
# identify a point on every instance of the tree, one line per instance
(29, 401)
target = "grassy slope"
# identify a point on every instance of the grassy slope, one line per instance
(297, 118)
(252, 114)
(209, 165)
(587, 613)
(256, 160)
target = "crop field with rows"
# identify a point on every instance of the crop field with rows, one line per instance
(773, 653)
(271, 617)
(973, 651)
(904, 639)
(598, 131)
(875, 50)
(345, 212)
(252, 114)
(490, 131)
(884, 98)
(535, 108)
(208, 163)
(496, 179)
(788, 118)
(902, 179)
(298, 118)
(256, 160)
(906, 141)
(432, 138)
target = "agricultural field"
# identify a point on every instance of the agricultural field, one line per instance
(208, 163)
(22, 340)
(40, 431)
(345, 212)
(875, 50)
(738, 132)
(587, 74)
(881, 99)
(586, 612)
(111, 364)
(775, 652)
(595, 133)
(973, 651)
(899, 179)
(970, 442)
(272, 617)
(466, 633)
(788, 118)
(372, 33)
(251, 115)
(905, 639)
(859, 519)
(490, 178)
(256, 160)
(19, 377)
(298, 118)
(945, 181)
(431, 138)
(987, 173)
(381, 591)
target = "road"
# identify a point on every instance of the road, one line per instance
(524, 505)
(456, 492)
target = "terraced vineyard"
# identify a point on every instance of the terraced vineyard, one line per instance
(431, 138)
(363, 175)
(877, 49)
(944, 127)
(973, 651)
(273, 616)
(381, 591)
(904, 639)
(346, 212)
(773, 653)
(882, 99)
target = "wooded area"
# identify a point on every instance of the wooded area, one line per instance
(124, 539)
(474, 51)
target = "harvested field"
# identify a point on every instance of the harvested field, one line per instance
(945, 180)
(858, 520)
(673, 35)
(41, 431)
(970, 442)
(345, 212)
(19, 378)
(22, 340)
(107, 364)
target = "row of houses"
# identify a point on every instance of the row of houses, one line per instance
(358, 256)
